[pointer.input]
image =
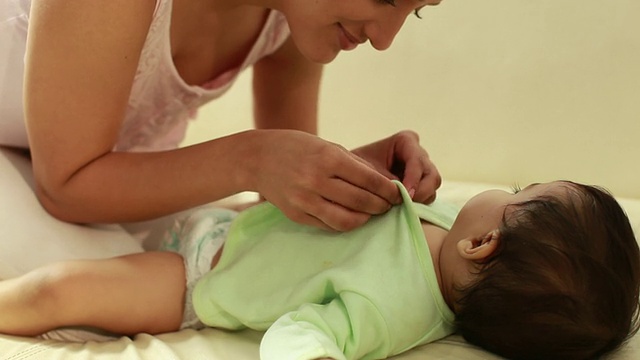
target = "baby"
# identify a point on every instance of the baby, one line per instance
(549, 272)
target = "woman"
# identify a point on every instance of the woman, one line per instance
(110, 85)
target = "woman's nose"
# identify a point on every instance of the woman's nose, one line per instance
(382, 32)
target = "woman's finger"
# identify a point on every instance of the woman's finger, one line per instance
(329, 215)
(428, 185)
(355, 198)
(360, 175)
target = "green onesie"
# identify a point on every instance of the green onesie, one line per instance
(365, 294)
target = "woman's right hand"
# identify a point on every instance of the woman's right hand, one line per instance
(316, 182)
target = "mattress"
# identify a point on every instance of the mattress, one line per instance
(32, 237)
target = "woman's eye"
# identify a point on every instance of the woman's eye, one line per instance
(388, 2)
(515, 188)
(416, 12)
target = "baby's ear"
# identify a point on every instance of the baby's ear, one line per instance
(479, 248)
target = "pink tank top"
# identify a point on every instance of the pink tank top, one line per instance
(161, 103)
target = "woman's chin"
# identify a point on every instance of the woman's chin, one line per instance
(324, 57)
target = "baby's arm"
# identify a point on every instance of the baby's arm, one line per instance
(124, 295)
(348, 327)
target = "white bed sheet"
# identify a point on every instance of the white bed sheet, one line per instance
(23, 220)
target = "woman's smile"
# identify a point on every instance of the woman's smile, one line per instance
(347, 40)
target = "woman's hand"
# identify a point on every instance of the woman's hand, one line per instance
(316, 182)
(401, 157)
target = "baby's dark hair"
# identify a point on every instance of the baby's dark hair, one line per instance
(562, 284)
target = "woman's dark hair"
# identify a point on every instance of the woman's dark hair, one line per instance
(562, 284)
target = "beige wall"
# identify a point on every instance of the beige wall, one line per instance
(500, 91)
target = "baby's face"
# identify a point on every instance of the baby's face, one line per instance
(480, 216)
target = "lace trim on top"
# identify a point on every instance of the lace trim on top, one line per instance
(161, 103)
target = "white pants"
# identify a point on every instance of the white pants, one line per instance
(14, 20)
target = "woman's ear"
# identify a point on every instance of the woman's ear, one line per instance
(479, 248)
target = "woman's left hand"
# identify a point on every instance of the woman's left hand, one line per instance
(401, 157)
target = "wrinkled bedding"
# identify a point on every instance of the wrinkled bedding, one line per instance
(32, 237)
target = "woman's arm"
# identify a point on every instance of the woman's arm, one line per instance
(80, 64)
(326, 185)
(285, 91)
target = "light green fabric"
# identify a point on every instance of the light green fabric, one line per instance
(369, 293)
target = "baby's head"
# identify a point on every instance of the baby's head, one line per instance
(551, 272)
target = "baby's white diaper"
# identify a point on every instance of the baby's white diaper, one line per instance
(198, 237)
